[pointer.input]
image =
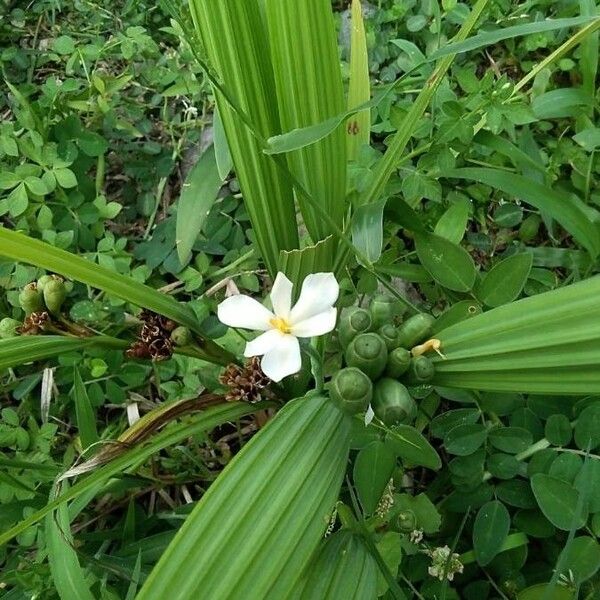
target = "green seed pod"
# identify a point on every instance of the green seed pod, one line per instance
(406, 521)
(31, 299)
(392, 402)
(384, 310)
(421, 370)
(354, 321)
(9, 328)
(398, 362)
(55, 293)
(368, 352)
(43, 280)
(416, 329)
(351, 390)
(390, 336)
(529, 228)
(181, 336)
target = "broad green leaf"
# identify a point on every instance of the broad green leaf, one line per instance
(505, 281)
(490, 531)
(21, 248)
(358, 127)
(343, 568)
(198, 194)
(489, 38)
(411, 446)
(581, 557)
(17, 201)
(461, 311)
(234, 37)
(587, 428)
(308, 83)
(546, 591)
(65, 177)
(501, 145)
(204, 421)
(452, 224)
(555, 204)
(559, 501)
(428, 516)
(68, 578)
(373, 469)
(588, 138)
(86, 418)
(463, 440)
(547, 344)
(264, 516)
(367, 229)
(449, 264)
(561, 103)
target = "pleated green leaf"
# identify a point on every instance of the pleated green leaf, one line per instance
(309, 88)
(547, 344)
(254, 531)
(343, 569)
(234, 36)
(297, 264)
(358, 128)
(29, 348)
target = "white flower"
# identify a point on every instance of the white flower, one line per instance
(313, 314)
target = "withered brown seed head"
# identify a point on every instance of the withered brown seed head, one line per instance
(245, 383)
(154, 338)
(35, 323)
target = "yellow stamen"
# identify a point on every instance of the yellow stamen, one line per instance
(281, 324)
(427, 346)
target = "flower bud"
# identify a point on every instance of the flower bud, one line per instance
(406, 521)
(9, 328)
(398, 362)
(367, 352)
(30, 299)
(55, 293)
(181, 336)
(354, 321)
(351, 390)
(390, 336)
(421, 370)
(392, 402)
(415, 329)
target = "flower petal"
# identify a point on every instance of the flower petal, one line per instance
(369, 416)
(318, 325)
(243, 311)
(282, 360)
(319, 292)
(281, 296)
(263, 343)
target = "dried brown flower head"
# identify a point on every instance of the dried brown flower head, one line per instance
(35, 323)
(154, 338)
(245, 384)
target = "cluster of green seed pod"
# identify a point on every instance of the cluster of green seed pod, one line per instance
(47, 294)
(379, 363)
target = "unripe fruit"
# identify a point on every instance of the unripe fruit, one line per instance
(9, 328)
(416, 329)
(354, 321)
(43, 280)
(392, 403)
(406, 521)
(390, 336)
(398, 362)
(181, 336)
(421, 370)
(384, 309)
(351, 390)
(55, 293)
(367, 352)
(30, 299)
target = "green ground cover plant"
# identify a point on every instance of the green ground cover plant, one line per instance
(299, 300)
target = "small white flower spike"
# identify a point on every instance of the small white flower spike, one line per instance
(314, 314)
